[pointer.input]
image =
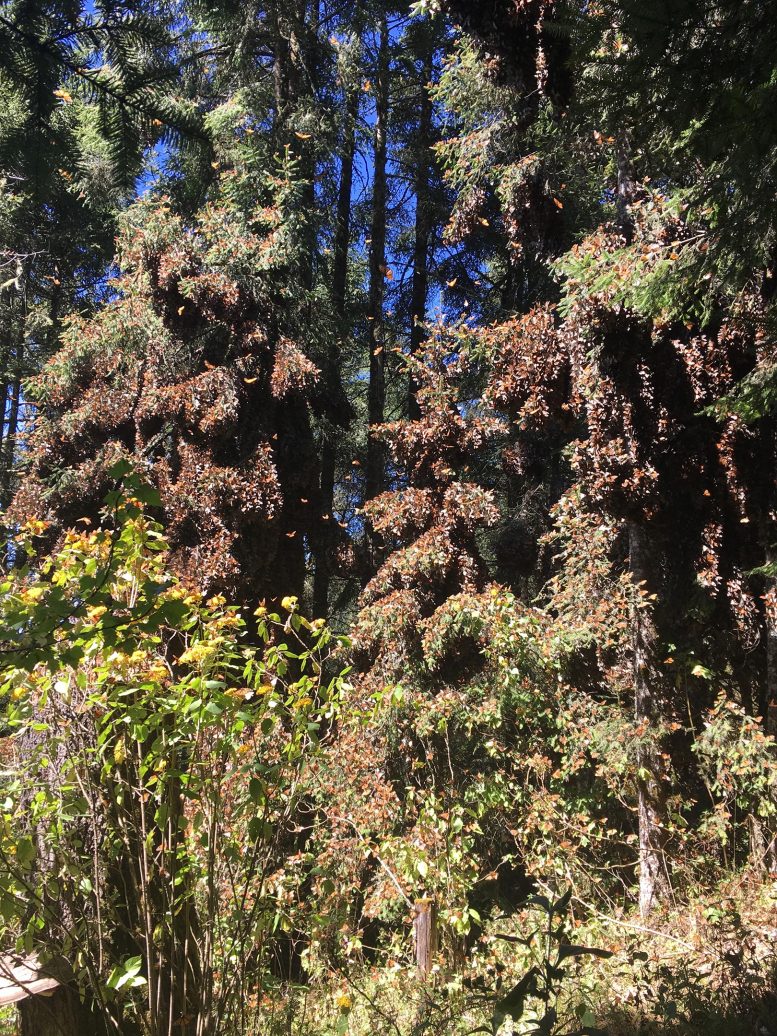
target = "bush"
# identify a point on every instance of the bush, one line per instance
(155, 775)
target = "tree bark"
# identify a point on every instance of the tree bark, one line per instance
(13, 373)
(625, 186)
(279, 69)
(61, 1014)
(376, 397)
(649, 702)
(11, 429)
(649, 689)
(303, 69)
(323, 571)
(296, 70)
(423, 221)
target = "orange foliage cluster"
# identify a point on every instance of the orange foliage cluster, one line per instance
(188, 375)
(431, 524)
(646, 451)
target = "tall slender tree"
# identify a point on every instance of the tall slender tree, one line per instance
(340, 264)
(423, 228)
(378, 270)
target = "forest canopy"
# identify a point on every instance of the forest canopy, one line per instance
(388, 476)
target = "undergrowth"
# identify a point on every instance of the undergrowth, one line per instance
(708, 967)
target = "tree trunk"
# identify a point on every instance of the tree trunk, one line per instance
(376, 398)
(342, 243)
(11, 429)
(625, 189)
(61, 1014)
(279, 70)
(763, 845)
(303, 68)
(649, 701)
(295, 72)
(649, 696)
(423, 221)
(13, 374)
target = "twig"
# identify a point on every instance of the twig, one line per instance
(634, 927)
(383, 864)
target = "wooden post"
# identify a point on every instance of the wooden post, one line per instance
(425, 936)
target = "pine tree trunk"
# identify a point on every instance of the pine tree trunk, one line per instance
(13, 373)
(295, 69)
(649, 700)
(376, 397)
(342, 243)
(423, 222)
(279, 68)
(303, 69)
(5, 370)
(11, 429)
(625, 188)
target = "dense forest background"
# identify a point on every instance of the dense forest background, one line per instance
(388, 619)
